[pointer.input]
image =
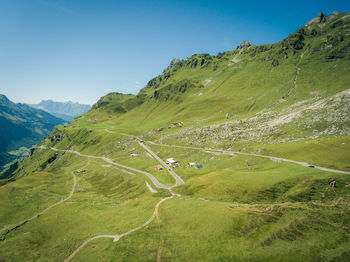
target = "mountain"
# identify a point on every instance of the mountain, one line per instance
(63, 110)
(21, 126)
(241, 156)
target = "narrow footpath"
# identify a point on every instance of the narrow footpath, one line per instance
(8, 229)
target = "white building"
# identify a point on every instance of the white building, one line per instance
(170, 161)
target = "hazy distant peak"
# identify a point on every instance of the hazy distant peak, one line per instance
(65, 102)
(4, 100)
(65, 110)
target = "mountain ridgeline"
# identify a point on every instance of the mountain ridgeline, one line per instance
(241, 156)
(63, 110)
(248, 79)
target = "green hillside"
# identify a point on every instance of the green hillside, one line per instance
(261, 139)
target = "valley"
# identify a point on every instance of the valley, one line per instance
(20, 128)
(241, 156)
(184, 191)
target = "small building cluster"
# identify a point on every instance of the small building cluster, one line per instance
(172, 125)
(171, 162)
(159, 167)
(82, 170)
(193, 164)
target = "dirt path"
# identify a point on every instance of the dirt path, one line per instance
(235, 59)
(8, 229)
(294, 87)
(108, 131)
(115, 132)
(159, 252)
(85, 243)
(117, 237)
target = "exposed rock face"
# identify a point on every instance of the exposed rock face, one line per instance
(334, 14)
(244, 44)
(294, 41)
(57, 138)
(321, 18)
(174, 62)
(4, 100)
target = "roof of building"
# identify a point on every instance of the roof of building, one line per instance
(170, 160)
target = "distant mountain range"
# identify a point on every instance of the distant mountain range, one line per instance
(64, 110)
(21, 126)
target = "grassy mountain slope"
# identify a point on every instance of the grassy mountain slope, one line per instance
(246, 113)
(204, 89)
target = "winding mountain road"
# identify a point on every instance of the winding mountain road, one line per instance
(150, 176)
(155, 182)
(150, 188)
(257, 155)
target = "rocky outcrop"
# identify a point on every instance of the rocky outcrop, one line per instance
(56, 138)
(244, 44)
(294, 41)
(174, 62)
(334, 14)
(321, 18)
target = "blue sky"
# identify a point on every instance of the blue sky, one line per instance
(79, 50)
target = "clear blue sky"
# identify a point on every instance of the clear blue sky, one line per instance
(80, 50)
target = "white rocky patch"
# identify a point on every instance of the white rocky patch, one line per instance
(307, 119)
(206, 81)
